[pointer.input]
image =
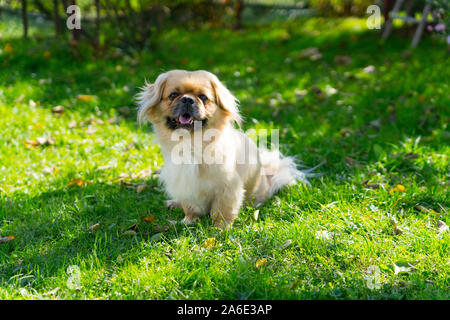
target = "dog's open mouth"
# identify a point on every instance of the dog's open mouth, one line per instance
(185, 121)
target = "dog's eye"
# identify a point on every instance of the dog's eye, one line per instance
(203, 97)
(173, 95)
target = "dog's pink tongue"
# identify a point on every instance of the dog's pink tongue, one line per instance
(185, 119)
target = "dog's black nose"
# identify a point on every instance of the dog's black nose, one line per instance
(187, 100)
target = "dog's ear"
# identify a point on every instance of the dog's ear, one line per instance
(150, 96)
(225, 100)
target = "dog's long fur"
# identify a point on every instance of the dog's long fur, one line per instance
(218, 189)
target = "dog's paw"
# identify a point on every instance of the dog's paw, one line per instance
(223, 225)
(172, 204)
(188, 221)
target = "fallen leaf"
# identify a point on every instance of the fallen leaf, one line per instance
(286, 244)
(397, 188)
(44, 141)
(324, 235)
(161, 228)
(72, 124)
(442, 227)
(156, 236)
(342, 60)
(352, 162)
(50, 170)
(426, 210)
(105, 167)
(4, 239)
(125, 111)
(412, 155)
(329, 90)
(256, 214)
(397, 230)
(8, 48)
(403, 267)
(260, 262)
(85, 97)
(94, 227)
(58, 110)
(141, 187)
(76, 182)
(133, 227)
(144, 173)
(309, 52)
(91, 129)
(369, 69)
(150, 219)
(370, 185)
(209, 243)
(31, 143)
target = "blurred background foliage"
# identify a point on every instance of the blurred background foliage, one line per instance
(136, 24)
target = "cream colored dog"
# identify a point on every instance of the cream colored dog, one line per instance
(210, 167)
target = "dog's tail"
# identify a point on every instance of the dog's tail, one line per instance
(281, 171)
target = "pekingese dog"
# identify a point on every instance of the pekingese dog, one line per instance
(210, 166)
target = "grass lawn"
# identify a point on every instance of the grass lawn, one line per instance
(89, 222)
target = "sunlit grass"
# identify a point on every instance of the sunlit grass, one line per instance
(374, 131)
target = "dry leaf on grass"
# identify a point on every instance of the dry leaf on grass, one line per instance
(209, 243)
(50, 170)
(161, 228)
(426, 210)
(403, 267)
(149, 219)
(342, 60)
(85, 97)
(370, 185)
(397, 230)
(105, 167)
(260, 262)
(324, 235)
(58, 110)
(141, 187)
(144, 173)
(4, 239)
(44, 141)
(72, 124)
(156, 237)
(397, 188)
(77, 182)
(442, 227)
(94, 227)
(256, 215)
(129, 233)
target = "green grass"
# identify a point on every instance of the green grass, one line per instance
(386, 128)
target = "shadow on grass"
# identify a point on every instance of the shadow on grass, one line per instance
(55, 229)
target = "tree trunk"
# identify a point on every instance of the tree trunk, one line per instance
(75, 31)
(24, 18)
(56, 18)
(387, 9)
(239, 6)
(97, 23)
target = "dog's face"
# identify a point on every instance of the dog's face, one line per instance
(179, 98)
